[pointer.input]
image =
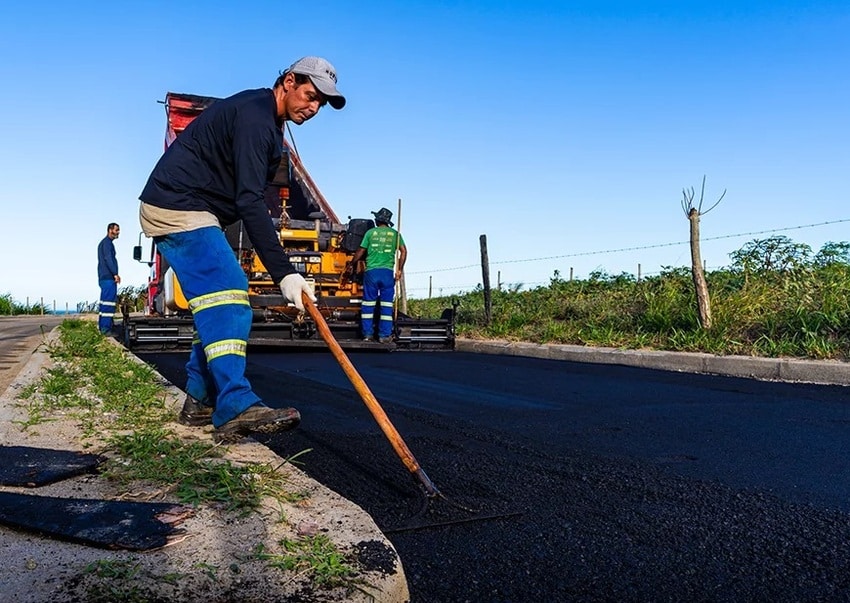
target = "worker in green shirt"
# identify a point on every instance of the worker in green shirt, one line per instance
(381, 246)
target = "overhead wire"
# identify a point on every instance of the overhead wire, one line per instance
(635, 248)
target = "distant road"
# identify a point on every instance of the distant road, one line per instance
(19, 336)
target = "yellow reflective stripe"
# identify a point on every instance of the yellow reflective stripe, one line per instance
(107, 303)
(196, 339)
(225, 347)
(365, 303)
(219, 298)
(389, 318)
(387, 304)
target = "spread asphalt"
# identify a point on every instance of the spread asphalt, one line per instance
(610, 517)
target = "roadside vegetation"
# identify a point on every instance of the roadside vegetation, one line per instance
(121, 406)
(776, 299)
(11, 307)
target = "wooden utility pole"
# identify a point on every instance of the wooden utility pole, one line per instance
(402, 289)
(693, 213)
(485, 275)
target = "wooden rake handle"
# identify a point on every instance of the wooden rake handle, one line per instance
(369, 399)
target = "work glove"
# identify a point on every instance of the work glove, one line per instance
(292, 286)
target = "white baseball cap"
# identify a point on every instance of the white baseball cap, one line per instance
(323, 76)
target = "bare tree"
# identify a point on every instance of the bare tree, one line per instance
(693, 213)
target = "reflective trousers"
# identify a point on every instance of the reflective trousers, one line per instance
(217, 291)
(378, 291)
(106, 306)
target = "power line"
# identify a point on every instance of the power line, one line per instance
(639, 248)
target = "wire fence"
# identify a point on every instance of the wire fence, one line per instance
(472, 271)
(40, 306)
(449, 288)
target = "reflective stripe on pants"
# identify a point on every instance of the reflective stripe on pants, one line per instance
(378, 290)
(217, 290)
(106, 306)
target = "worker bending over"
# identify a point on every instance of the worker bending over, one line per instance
(212, 175)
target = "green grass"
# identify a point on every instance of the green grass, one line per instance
(122, 403)
(9, 307)
(801, 312)
(315, 556)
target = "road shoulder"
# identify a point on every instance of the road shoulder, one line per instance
(214, 561)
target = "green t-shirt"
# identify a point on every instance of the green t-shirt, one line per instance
(380, 246)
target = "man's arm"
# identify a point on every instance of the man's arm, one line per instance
(113, 263)
(402, 258)
(253, 145)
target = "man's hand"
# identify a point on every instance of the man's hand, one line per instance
(292, 286)
(117, 279)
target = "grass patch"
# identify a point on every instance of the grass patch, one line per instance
(117, 580)
(193, 471)
(314, 556)
(801, 311)
(97, 383)
(123, 403)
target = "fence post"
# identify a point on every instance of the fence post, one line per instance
(41, 307)
(430, 284)
(485, 271)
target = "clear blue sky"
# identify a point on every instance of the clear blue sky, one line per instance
(555, 128)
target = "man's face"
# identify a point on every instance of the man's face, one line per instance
(302, 101)
(114, 232)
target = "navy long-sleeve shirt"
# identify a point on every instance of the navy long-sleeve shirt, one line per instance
(221, 163)
(107, 264)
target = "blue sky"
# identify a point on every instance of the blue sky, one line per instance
(557, 129)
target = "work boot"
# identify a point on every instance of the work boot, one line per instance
(387, 339)
(194, 413)
(257, 419)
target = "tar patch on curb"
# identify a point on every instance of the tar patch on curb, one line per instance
(33, 467)
(373, 555)
(110, 524)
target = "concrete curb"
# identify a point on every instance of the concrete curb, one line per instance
(37, 569)
(823, 372)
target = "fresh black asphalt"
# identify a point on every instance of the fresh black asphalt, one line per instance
(589, 482)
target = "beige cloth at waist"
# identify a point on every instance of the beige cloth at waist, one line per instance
(158, 221)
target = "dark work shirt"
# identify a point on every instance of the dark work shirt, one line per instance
(107, 265)
(221, 163)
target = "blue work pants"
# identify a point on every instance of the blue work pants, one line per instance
(217, 291)
(106, 305)
(378, 291)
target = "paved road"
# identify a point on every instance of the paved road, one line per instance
(604, 483)
(19, 336)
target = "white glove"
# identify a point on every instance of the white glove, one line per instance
(292, 286)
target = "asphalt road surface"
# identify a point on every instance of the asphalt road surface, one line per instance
(573, 482)
(19, 336)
